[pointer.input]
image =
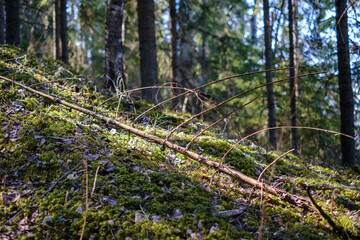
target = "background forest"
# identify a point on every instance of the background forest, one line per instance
(200, 41)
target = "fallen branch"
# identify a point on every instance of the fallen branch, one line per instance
(46, 193)
(282, 194)
(328, 187)
(338, 229)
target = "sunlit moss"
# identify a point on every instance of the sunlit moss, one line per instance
(137, 176)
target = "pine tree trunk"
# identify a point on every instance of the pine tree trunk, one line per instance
(148, 61)
(173, 50)
(12, 22)
(185, 59)
(345, 87)
(268, 65)
(63, 32)
(203, 59)
(114, 63)
(292, 36)
(2, 23)
(57, 29)
(253, 21)
(203, 48)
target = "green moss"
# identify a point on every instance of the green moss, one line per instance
(130, 174)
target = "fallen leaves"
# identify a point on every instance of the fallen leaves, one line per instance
(10, 198)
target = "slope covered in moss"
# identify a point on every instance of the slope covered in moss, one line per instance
(65, 174)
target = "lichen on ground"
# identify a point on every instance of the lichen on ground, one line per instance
(125, 186)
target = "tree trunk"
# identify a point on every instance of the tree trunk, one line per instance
(63, 32)
(173, 50)
(203, 59)
(268, 65)
(203, 48)
(185, 59)
(60, 31)
(2, 23)
(114, 63)
(12, 22)
(345, 88)
(292, 36)
(253, 21)
(56, 30)
(148, 62)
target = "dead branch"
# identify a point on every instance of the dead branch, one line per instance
(282, 194)
(328, 187)
(232, 98)
(282, 127)
(216, 122)
(338, 229)
(273, 162)
(205, 85)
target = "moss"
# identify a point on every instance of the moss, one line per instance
(135, 175)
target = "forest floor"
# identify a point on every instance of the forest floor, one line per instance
(66, 175)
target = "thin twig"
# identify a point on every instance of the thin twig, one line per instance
(47, 192)
(205, 85)
(55, 229)
(57, 80)
(282, 127)
(232, 98)
(216, 122)
(112, 234)
(138, 89)
(86, 196)
(267, 167)
(347, 8)
(328, 187)
(262, 223)
(144, 212)
(94, 185)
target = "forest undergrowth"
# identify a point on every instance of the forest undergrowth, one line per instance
(67, 175)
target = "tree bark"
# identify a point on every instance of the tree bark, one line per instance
(292, 36)
(12, 22)
(173, 50)
(114, 63)
(203, 47)
(60, 31)
(63, 32)
(345, 84)
(148, 61)
(268, 65)
(185, 59)
(253, 21)
(2, 23)
(56, 29)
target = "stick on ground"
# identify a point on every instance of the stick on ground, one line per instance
(282, 194)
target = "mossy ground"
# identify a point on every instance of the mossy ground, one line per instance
(134, 188)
